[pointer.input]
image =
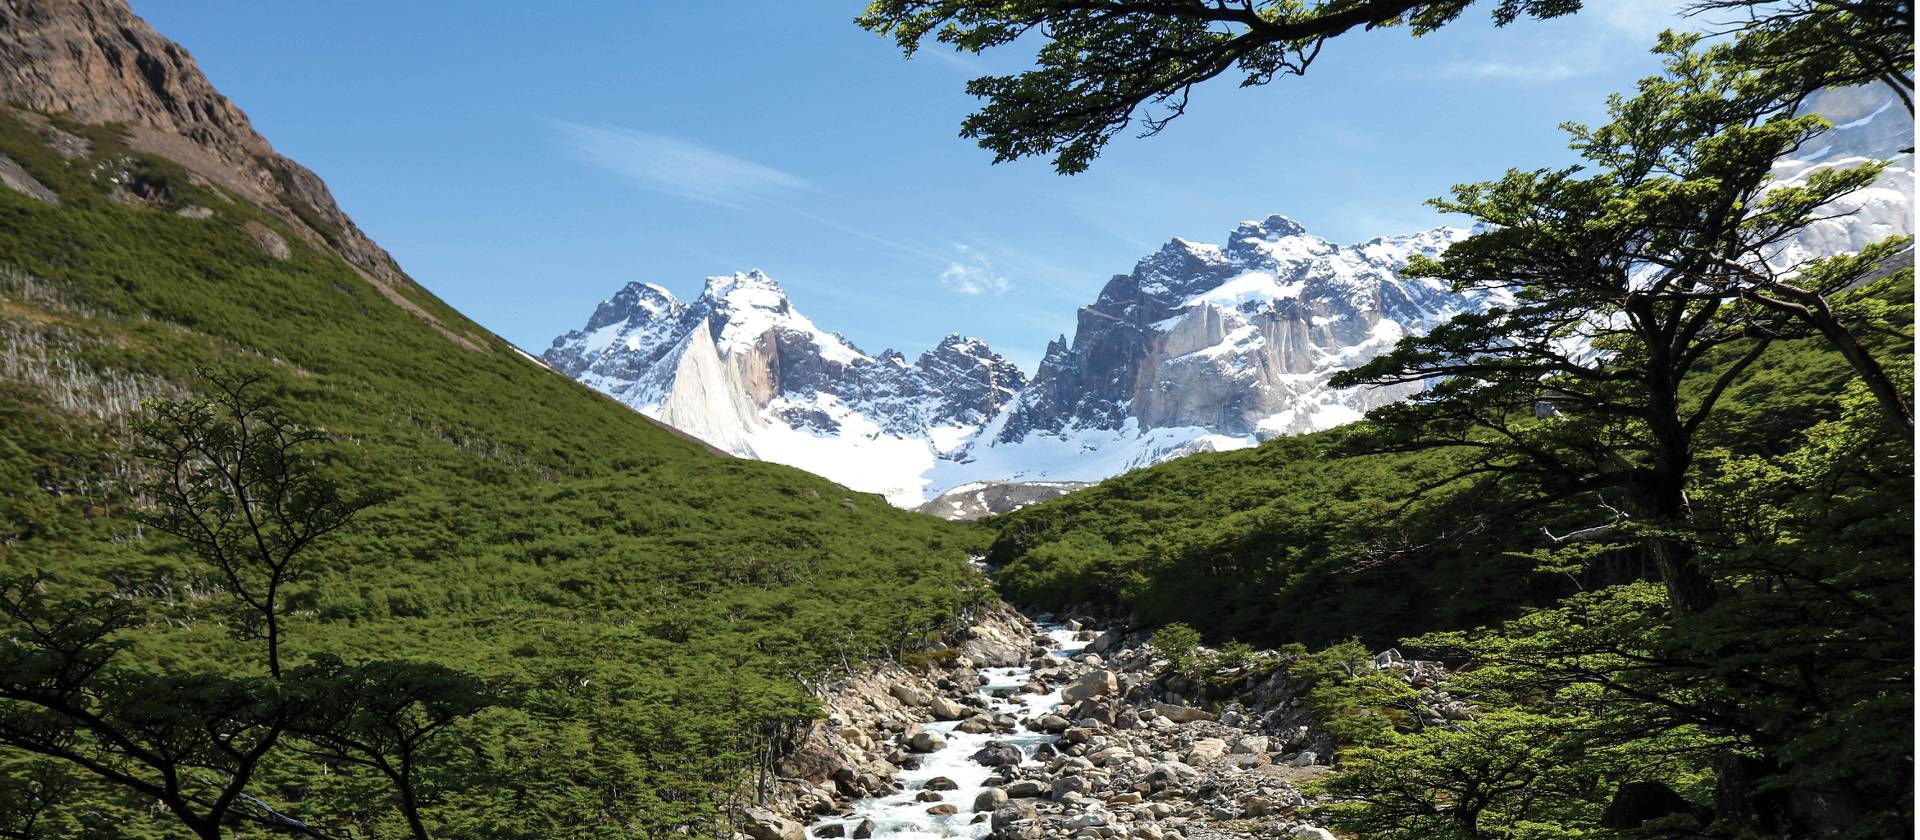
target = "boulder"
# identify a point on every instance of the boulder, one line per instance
(1250, 745)
(944, 708)
(998, 754)
(1181, 714)
(1091, 819)
(864, 830)
(1206, 749)
(1242, 761)
(944, 810)
(762, 824)
(831, 830)
(926, 742)
(1072, 784)
(1312, 832)
(941, 783)
(1026, 789)
(1260, 806)
(1006, 815)
(1095, 710)
(1090, 685)
(992, 647)
(1104, 642)
(990, 799)
(907, 694)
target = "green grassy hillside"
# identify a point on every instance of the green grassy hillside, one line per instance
(651, 605)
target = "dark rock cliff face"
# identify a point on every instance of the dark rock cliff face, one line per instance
(1226, 338)
(970, 379)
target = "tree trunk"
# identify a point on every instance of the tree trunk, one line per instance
(1894, 403)
(412, 809)
(1663, 506)
(1737, 801)
(1689, 590)
(1812, 308)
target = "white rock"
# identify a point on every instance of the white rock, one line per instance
(1093, 684)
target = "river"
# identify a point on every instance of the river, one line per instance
(901, 816)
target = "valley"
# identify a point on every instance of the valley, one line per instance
(1590, 516)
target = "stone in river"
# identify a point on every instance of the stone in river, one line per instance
(990, 799)
(997, 753)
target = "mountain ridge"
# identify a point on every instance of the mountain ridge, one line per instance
(1187, 319)
(741, 368)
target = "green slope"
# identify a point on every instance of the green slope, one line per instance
(653, 603)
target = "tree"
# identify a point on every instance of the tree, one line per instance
(232, 484)
(1623, 278)
(381, 716)
(1105, 60)
(1180, 644)
(1103, 64)
(1820, 43)
(1507, 775)
(190, 742)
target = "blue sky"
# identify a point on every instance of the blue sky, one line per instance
(525, 160)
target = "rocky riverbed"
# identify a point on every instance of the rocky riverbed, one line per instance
(1025, 731)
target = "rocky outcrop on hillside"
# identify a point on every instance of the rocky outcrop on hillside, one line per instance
(978, 499)
(96, 62)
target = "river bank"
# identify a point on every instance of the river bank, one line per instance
(1018, 729)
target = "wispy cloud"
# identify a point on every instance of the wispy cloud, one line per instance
(677, 166)
(973, 274)
(1604, 36)
(1518, 71)
(1640, 20)
(870, 236)
(963, 62)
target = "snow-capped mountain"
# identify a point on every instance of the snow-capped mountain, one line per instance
(1869, 124)
(742, 369)
(1201, 347)
(1208, 347)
